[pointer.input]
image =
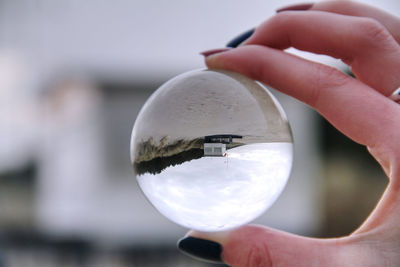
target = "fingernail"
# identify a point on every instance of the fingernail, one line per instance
(201, 249)
(215, 51)
(300, 7)
(235, 42)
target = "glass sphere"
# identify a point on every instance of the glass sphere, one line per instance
(211, 149)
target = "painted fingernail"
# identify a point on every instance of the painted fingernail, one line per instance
(215, 51)
(235, 42)
(299, 7)
(201, 249)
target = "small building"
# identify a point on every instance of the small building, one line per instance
(214, 149)
(215, 145)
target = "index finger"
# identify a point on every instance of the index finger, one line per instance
(357, 110)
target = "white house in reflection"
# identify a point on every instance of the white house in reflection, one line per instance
(214, 149)
(215, 145)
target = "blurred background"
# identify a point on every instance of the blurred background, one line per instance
(73, 76)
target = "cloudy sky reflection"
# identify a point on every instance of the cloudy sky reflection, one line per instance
(221, 191)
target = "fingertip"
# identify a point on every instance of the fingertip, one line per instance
(215, 51)
(212, 57)
(204, 246)
(214, 61)
(240, 39)
(296, 7)
(201, 249)
(235, 247)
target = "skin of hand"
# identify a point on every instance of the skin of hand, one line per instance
(367, 39)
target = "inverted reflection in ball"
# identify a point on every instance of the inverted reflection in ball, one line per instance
(211, 150)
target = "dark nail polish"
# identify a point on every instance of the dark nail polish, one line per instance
(299, 7)
(201, 249)
(214, 51)
(235, 42)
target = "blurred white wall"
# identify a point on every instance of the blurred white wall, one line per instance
(138, 41)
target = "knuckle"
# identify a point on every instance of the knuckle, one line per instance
(284, 19)
(258, 256)
(249, 246)
(325, 79)
(372, 32)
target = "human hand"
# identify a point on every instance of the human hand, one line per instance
(367, 39)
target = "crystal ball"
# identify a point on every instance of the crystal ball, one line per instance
(211, 149)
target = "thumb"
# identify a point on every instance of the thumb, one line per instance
(256, 246)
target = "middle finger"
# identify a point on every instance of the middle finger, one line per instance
(363, 43)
